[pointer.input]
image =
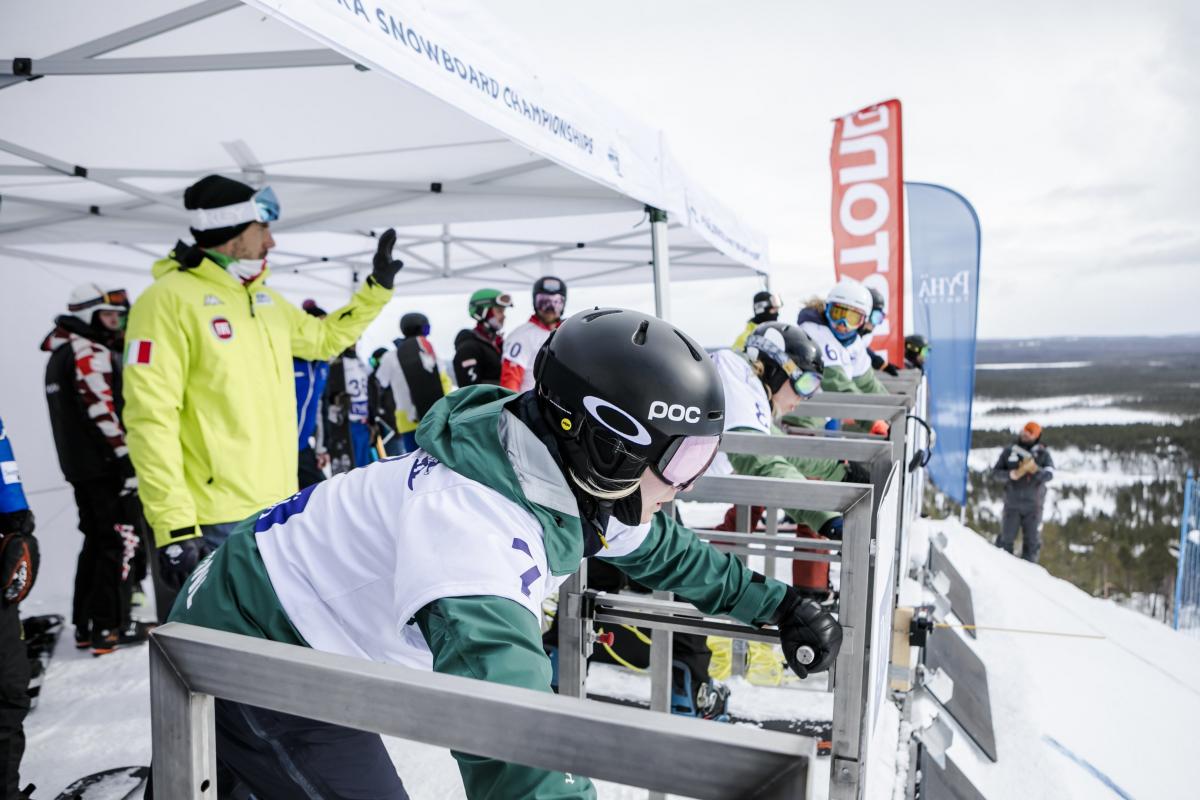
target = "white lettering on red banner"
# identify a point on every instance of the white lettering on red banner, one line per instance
(868, 212)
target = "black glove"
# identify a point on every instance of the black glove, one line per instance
(384, 267)
(178, 559)
(804, 624)
(129, 481)
(19, 557)
(892, 369)
(832, 529)
(856, 473)
(877, 361)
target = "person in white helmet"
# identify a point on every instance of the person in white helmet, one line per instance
(835, 324)
(83, 391)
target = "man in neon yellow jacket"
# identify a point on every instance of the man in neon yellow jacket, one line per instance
(210, 405)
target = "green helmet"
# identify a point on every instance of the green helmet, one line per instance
(485, 299)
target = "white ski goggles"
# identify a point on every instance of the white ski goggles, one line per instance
(262, 207)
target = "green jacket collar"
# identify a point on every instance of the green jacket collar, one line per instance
(470, 432)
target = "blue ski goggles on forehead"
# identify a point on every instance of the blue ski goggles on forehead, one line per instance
(263, 207)
(876, 317)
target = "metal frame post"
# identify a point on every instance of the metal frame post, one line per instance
(183, 730)
(574, 635)
(661, 260)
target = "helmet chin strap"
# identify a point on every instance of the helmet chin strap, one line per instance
(628, 510)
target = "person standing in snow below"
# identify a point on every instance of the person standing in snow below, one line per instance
(210, 395)
(1025, 467)
(83, 392)
(441, 559)
(766, 309)
(549, 303)
(411, 381)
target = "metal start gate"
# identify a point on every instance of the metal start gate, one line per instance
(191, 666)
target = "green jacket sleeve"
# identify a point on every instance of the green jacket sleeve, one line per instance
(835, 379)
(821, 469)
(321, 339)
(869, 383)
(153, 394)
(779, 467)
(674, 559)
(494, 639)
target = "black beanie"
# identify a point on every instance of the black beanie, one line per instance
(216, 191)
(414, 323)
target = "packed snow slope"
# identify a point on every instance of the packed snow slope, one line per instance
(1127, 704)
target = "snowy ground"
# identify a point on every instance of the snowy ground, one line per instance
(1127, 704)
(989, 414)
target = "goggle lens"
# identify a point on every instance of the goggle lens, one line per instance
(266, 205)
(851, 316)
(690, 460)
(877, 317)
(806, 384)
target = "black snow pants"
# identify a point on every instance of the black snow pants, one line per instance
(14, 697)
(106, 571)
(1029, 522)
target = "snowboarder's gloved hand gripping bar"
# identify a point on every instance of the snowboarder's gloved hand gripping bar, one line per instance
(804, 624)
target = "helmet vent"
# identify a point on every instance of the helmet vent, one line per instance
(690, 347)
(639, 336)
(600, 313)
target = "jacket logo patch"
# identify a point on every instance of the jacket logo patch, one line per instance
(263, 299)
(212, 300)
(222, 329)
(139, 352)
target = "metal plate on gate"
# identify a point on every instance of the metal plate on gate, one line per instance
(945, 784)
(970, 704)
(960, 591)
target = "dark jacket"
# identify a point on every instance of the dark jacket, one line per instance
(477, 357)
(1029, 491)
(83, 392)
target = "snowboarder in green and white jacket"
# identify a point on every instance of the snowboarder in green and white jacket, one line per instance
(440, 559)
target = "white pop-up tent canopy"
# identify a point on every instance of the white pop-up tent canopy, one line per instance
(362, 114)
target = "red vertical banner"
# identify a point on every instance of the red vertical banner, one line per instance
(868, 212)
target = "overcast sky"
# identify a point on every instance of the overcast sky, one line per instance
(1073, 128)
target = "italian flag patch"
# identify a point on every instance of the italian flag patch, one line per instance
(139, 351)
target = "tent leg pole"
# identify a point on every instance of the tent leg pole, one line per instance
(661, 262)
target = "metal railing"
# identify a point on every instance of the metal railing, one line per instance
(190, 666)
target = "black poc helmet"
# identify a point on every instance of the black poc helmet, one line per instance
(623, 390)
(785, 352)
(414, 323)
